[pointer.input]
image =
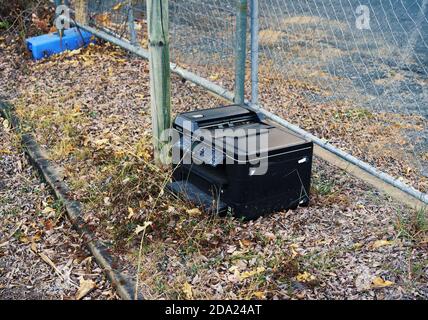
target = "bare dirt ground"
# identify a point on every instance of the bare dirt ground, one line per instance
(90, 109)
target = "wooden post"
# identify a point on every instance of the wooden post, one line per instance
(160, 76)
(82, 11)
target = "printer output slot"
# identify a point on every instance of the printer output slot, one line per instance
(213, 175)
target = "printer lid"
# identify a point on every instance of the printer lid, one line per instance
(239, 122)
(276, 139)
(215, 117)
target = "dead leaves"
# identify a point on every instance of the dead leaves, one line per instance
(368, 281)
(85, 287)
(270, 236)
(41, 23)
(15, 230)
(49, 224)
(103, 19)
(73, 53)
(142, 228)
(46, 259)
(214, 77)
(381, 243)
(259, 295)
(131, 213)
(107, 201)
(245, 243)
(6, 125)
(378, 283)
(188, 291)
(240, 276)
(194, 212)
(101, 143)
(48, 211)
(248, 274)
(305, 277)
(118, 6)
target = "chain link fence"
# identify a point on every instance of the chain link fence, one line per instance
(202, 32)
(352, 72)
(369, 56)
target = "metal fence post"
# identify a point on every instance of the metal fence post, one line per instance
(255, 52)
(131, 23)
(240, 54)
(57, 4)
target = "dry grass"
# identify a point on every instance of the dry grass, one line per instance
(269, 37)
(313, 20)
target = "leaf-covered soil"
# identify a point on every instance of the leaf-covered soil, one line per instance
(90, 109)
(41, 256)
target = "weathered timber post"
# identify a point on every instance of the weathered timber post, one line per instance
(81, 10)
(160, 76)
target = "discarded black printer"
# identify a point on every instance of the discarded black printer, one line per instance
(232, 160)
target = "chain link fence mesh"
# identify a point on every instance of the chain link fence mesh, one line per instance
(359, 68)
(202, 32)
(368, 57)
